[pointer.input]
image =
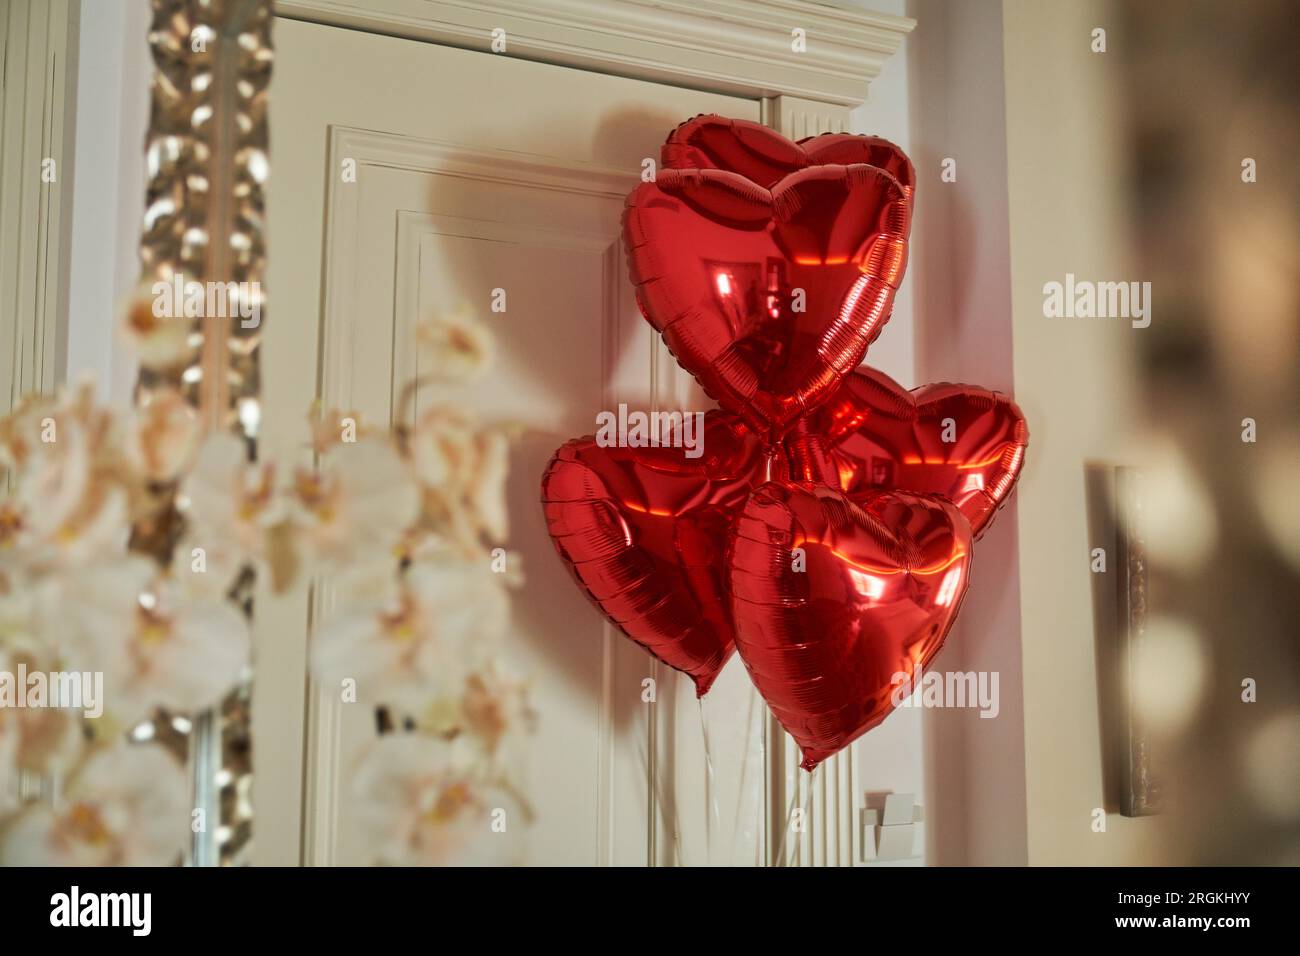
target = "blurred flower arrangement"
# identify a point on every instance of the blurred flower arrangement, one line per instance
(423, 606)
(76, 598)
(128, 547)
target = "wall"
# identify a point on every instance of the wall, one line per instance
(974, 766)
(1014, 95)
(108, 191)
(939, 97)
(1072, 381)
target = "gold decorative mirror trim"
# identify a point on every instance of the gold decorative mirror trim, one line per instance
(205, 213)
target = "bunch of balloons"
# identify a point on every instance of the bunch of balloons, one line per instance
(825, 532)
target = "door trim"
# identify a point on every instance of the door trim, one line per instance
(740, 47)
(38, 53)
(323, 771)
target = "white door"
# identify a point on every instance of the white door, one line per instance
(475, 172)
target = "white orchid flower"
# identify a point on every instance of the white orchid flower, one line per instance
(420, 801)
(154, 647)
(420, 642)
(127, 806)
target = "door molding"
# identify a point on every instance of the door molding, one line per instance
(740, 47)
(324, 771)
(38, 51)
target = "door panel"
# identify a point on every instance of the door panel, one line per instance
(476, 172)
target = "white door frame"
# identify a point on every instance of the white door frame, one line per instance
(739, 47)
(38, 55)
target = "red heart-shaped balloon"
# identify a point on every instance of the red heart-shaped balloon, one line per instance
(959, 441)
(765, 157)
(838, 603)
(645, 530)
(769, 297)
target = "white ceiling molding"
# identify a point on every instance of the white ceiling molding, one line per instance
(741, 47)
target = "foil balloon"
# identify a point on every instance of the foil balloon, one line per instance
(767, 290)
(959, 441)
(644, 531)
(838, 604)
(765, 157)
(826, 531)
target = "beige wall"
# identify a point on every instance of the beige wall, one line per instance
(1071, 379)
(1012, 91)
